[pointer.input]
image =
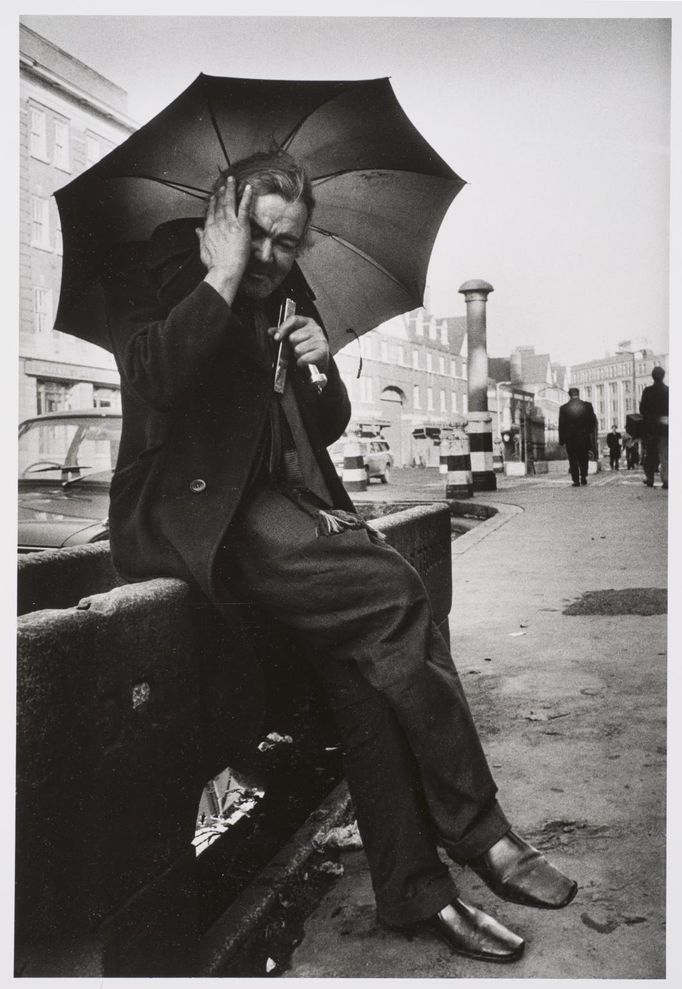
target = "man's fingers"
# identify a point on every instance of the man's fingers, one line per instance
(245, 204)
(290, 325)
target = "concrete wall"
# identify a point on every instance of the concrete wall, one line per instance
(129, 699)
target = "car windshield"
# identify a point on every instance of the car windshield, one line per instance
(68, 449)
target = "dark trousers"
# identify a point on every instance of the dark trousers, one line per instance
(414, 763)
(614, 458)
(577, 451)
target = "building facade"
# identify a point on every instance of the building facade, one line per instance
(614, 383)
(70, 117)
(412, 385)
(524, 397)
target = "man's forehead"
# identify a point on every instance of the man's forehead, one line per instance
(274, 214)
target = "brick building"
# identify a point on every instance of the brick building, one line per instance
(413, 383)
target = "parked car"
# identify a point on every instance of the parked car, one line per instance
(376, 454)
(66, 462)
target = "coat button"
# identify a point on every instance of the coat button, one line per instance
(197, 486)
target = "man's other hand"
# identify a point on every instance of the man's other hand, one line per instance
(307, 340)
(225, 240)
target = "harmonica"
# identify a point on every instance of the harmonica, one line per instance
(319, 380)
(287, 309)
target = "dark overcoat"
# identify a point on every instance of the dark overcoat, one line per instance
(578, 424)
(195, 391)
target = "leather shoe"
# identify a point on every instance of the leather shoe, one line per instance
(474, 934)
(519, 873)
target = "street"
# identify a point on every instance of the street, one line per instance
(569, 691)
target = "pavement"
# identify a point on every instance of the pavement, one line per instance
(571, 709)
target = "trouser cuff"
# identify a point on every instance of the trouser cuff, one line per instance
(427, 901)
(490, 827)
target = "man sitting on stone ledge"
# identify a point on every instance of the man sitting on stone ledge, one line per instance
(225, 481)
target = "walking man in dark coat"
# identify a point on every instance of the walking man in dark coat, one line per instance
(223, 479)
(653, 407)
(578, 433)
(613, 443)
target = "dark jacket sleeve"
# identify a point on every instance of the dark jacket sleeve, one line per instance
(562, 426)
(163, 351)
(334, 409)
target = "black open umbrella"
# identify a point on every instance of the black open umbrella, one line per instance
(381, 192)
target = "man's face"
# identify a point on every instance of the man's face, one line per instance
(277, 229)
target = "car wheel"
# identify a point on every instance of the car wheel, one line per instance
(386, 476)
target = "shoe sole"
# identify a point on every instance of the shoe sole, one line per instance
(537, 904)
(476, 956)
(416, 930)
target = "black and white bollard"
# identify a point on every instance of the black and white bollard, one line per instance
(354, 472)
(476, 294)
(459, 482)
(479, 430)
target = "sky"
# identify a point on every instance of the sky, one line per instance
(559, 125)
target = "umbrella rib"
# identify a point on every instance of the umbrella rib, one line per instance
(360, 253)
(296, 128)
(189, 190)
(214, 122)
(320, 179)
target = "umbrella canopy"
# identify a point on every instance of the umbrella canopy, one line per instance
(381, 192)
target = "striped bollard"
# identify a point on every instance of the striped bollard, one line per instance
(354, 473)
(479, 429)
(459, 482)
(443, 464)
(498, 460)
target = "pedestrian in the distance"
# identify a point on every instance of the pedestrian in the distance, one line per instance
(653, 408)
(630, 447)
(613, 443)
(578, 433)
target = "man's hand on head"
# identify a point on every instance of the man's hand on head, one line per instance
(307, 340)
(225, 240)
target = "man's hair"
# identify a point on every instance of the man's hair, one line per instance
(658, 374)
(272, 172)
(573, 392)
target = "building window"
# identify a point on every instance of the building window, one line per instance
(453, 401)
(384, 350)
(453, 368)
(106, 398)
(53, 396)
(429, 363)
(38, 139)
(58, 242)
(444, 333)
(465, 403)
(419, 325)
(40, 223)
(443, 406)
(42, 309)
(401, 355)
(366, 389)
(93, 150)
(429, 399)
(441, 365)
(62, 156)
(416, 397)
(415, 359)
